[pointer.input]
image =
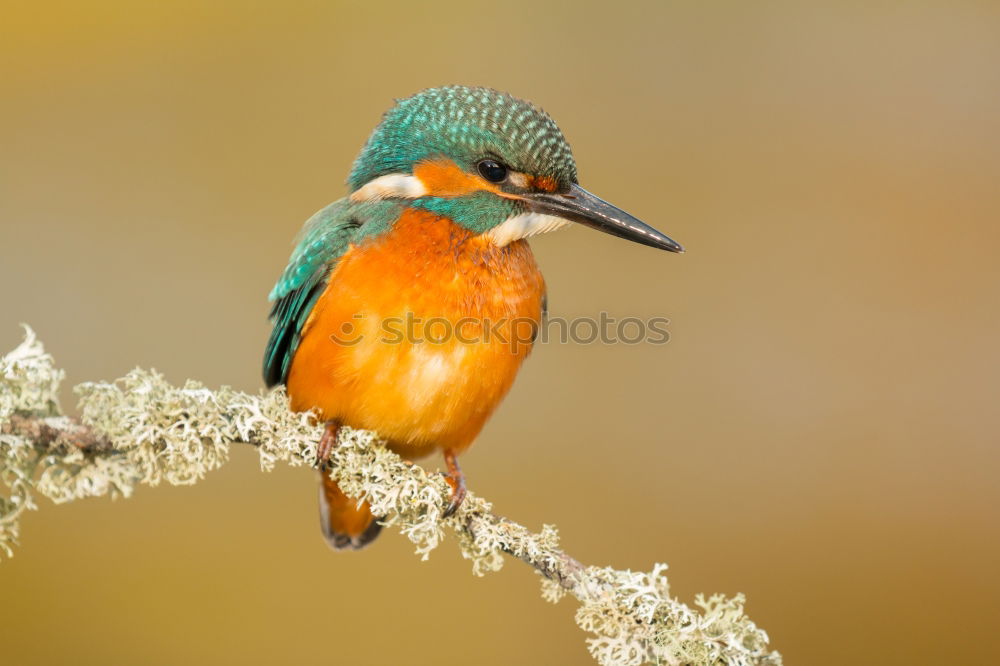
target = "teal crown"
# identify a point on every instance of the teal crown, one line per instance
(465, 125)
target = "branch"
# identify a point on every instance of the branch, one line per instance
(141, 430)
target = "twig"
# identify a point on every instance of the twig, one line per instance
(141, 430)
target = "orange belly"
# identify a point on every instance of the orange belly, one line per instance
(419, 334)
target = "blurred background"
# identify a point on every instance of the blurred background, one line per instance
(820, 433)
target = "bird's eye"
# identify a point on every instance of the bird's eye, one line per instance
(493, 171)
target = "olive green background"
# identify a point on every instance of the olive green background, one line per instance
(820, 433)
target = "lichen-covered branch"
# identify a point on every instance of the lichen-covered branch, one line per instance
(141, 430)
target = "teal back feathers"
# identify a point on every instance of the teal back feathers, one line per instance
(323, 239)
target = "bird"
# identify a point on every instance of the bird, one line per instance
(408, 306)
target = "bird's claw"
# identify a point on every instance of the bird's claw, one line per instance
(327, 443)
(456, 480)
(458, 493)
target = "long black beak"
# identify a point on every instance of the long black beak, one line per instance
(581, 206)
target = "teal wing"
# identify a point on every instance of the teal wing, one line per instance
(323, 239)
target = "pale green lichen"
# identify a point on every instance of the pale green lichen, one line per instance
(151, 432)
(29, 382)
(637, 621)
(552, 591)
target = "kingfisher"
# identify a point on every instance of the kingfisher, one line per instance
(432, 235)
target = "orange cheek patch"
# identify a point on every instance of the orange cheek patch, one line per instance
(444, 178)
(545, 183)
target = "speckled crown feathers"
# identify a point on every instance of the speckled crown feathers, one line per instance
(465, 124)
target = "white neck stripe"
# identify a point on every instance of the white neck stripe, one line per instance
(390, 186)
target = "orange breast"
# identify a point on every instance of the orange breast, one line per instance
(419, 334)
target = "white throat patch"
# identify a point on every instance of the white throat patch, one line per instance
(391, 185)
(524, 225)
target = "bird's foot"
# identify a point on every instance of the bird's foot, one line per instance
(327, 443)
(456, 480)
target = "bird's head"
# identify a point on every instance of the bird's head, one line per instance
(495, 164)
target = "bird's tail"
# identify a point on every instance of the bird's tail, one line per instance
(345, 524)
